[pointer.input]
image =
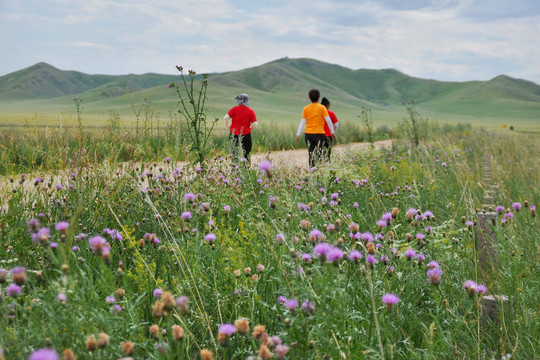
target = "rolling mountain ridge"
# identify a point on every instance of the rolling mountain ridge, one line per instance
(279, 86)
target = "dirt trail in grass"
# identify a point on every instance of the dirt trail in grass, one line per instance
(290, 159)
(299, 158)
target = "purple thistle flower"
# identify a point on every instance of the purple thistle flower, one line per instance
(281, 300)
(13, 290)
(306, 258)
(382, 223)
(62, 226)
(411, 212)
(97, 243)
(227, 209)
(316, 234)
(434, 276)
(390, 300)
(470, 286)
(181, 301)
(53, 245)
(190, 197)
(18, 270)
(227, 329)
(334, 196)
(280, 239)
(371, 260)
(354, 227)
(265, 166)
(186, 215)
(499, 209)
(157, 293)
(410, 253)
(62, 297)
(480, 289)
(276, 340)
(111, 299)
(469, 224)
(334, 255)
(33, 225)
(308, 307)
(44, 354)
(356, 205)
(432, 265)
(281, 350)
(387, 216)
(420, 236)
(210, 238)
(321, 250)
(420, 257)
(116, 309)
(516, 206)
(42, 236)
(367, 237)
(355, 255)
(291, 304)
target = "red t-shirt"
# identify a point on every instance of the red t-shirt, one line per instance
(334, 120)
(242, 117)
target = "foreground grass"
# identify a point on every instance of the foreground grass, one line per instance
(247, 245)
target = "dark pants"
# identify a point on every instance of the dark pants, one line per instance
(316, 148)
(328, 148)
(240, 140)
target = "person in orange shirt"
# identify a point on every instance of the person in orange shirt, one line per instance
(328, 144)
(314, 116)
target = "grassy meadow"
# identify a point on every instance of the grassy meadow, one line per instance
(374, 257)
(115, 243)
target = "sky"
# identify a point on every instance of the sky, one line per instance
(448, 40)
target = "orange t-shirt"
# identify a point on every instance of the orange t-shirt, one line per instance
(314, 114)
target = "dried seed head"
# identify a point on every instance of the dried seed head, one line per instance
(158, 310)
(103, 340)
(242, 326)
(154, 330)
(127, 348)
(264, 353)
(119, 293)
(168, 300)
(259, 331)
(67, 355)
(206, 354)
(91, 343)
(178, 332)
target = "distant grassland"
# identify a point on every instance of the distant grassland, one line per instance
(274, 109)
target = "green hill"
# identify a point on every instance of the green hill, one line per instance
(43, 81)
(279, 90)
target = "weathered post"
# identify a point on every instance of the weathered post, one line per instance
(495, 308)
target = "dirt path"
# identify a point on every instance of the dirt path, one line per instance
(299, 158)
(285, 159)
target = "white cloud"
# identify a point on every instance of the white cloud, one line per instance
(441, 39)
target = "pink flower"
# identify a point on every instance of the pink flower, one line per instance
(390, 300)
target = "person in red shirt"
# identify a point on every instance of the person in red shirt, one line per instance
(314, 116)
(243, 120)
(328, 145)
